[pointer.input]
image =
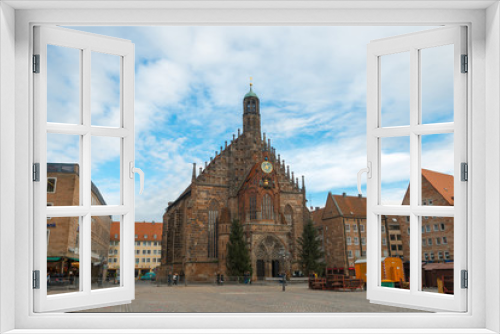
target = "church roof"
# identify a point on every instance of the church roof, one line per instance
(251, 93)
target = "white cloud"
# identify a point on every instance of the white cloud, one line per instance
(190, 82)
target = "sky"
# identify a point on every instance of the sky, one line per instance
(189, 87)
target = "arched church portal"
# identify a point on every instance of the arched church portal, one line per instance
(269, 258)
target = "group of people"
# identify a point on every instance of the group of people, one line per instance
(70, 276)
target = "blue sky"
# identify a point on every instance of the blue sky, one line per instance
(190, 82)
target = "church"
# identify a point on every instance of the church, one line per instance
(247, 180)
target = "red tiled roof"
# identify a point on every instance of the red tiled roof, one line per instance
(351, 206)
(443, 183)
(141, 229)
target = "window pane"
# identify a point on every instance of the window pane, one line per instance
(395, 89)
(63, 84)
(63, 170)
(63, 255)
(437, 170)
(437, 256)
(106, 171)
(395, 170)
(105, 89)
(437, 84)
(100, 237)
(394, 257)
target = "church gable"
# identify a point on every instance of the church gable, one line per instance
(258, 195)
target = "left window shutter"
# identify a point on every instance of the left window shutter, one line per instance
(70, 245)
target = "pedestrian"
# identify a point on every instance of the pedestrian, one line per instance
(176, 276)
(71, 277)
(48, 279)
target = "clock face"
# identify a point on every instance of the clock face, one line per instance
(267, 167)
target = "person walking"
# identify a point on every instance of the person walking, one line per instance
(176, 277)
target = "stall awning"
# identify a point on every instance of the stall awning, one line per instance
(53, 258)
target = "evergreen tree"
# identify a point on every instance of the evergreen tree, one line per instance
(310, 250)
(238, 257)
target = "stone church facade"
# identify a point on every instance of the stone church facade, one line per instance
(246, 180)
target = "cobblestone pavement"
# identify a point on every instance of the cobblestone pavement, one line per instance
(245, 299)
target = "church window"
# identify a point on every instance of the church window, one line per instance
(267, 207)
(253, 207)
(213, 215)
(288, 214)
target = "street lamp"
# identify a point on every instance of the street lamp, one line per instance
(284, 256)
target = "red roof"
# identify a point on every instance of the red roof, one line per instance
(145, 231)
(443, 183)
(351, 206)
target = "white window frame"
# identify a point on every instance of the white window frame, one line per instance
(412, 44)
(86, 43)
(483, 98)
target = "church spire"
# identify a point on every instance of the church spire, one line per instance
(251, 115)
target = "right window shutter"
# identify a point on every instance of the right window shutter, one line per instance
(417, 136)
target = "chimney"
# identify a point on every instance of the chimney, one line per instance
(317, 208)
(344, 194)
(293, 179)
(287, 170)
(226, 145)
(206, 165)
(360, 195)
(303, 184)
(194, 172)
(238, 132)
(201, 171)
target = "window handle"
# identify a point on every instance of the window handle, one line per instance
(368, 171)
(134, 170)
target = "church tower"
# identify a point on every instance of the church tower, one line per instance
(251, 116)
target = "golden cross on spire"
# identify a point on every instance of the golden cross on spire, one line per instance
(250, 82)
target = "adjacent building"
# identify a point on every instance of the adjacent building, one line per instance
(63, 233)
(246, 180)
(148, 236)
(437, 232)
(342, 228)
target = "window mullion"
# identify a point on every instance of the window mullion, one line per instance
(414, 168)
(85, 174)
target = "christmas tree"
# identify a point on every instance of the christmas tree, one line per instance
(238, 258)
(310, 250)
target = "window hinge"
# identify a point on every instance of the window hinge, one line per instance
(36, 172)
(36, 279)
(465, 64)
(465, 279)
(36, 63)
(464, 171)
